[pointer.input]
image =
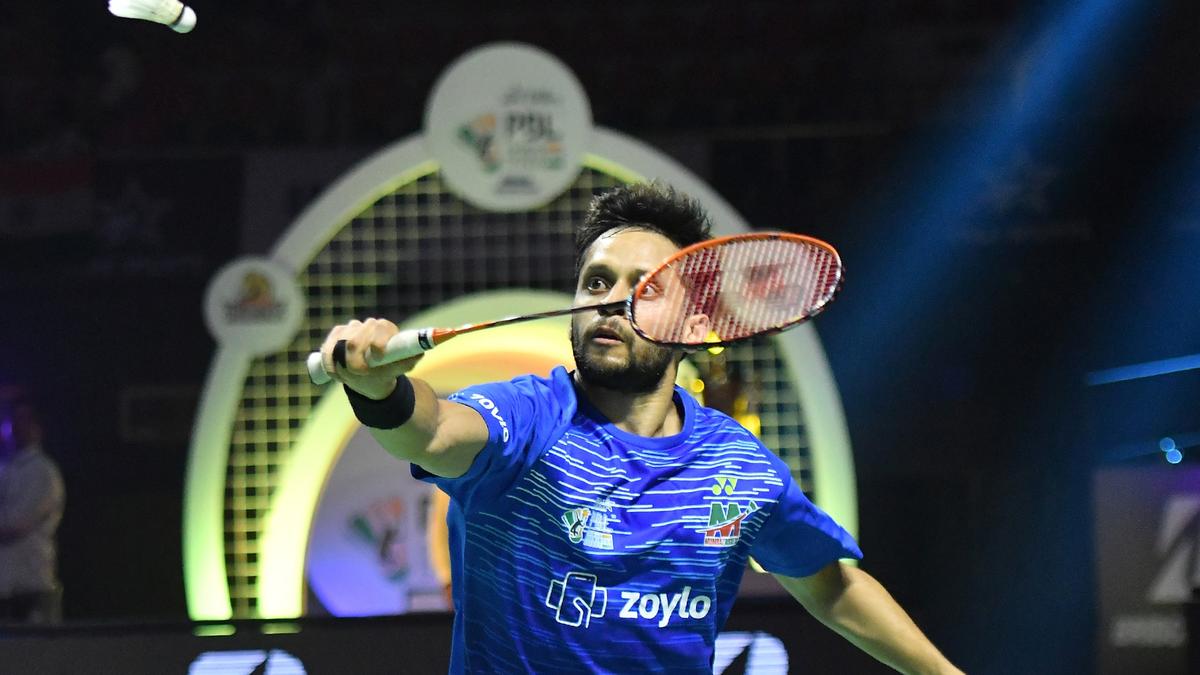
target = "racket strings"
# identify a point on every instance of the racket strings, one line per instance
(772, 282)
(744, 288)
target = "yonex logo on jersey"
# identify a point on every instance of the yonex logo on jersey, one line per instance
(726, 484)
(663, 606)
(577, 599)
(725, 523)
(486, 404)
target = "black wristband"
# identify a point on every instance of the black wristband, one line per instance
(387, 413)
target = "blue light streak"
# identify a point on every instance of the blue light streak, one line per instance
(1139, 371)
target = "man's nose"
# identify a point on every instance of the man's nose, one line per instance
(616, 295)
(614, 308)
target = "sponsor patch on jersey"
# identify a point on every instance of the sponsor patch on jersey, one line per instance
(725, 522)
(589, 526)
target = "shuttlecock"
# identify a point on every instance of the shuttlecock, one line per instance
(170, 13)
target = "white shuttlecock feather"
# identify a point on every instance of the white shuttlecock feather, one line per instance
(170, 13)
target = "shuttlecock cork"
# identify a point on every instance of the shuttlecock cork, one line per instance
(171, 13)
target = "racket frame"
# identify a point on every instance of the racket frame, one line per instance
(630, 313)
(417, 341)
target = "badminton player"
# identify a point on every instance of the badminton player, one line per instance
(601, 519)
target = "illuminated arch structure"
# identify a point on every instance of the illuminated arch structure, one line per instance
(390, 239)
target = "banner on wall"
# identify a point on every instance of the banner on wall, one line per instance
(119, 217)
(1147, 544)
(165, 216)
(43, 198)
(367, 552)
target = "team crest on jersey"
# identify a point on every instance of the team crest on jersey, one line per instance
(725, 522)
(589, 525)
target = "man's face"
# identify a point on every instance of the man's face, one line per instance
(608, 353)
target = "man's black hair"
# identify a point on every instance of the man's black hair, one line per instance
(648, 206)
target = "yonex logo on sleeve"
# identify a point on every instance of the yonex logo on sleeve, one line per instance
(486, 404)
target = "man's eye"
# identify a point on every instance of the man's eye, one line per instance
(596, 284)
(650, 291)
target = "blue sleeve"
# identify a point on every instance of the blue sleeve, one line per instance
(798, 539)
(519, 415)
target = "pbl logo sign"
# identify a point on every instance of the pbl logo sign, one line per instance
(509, 125)
(526, 139)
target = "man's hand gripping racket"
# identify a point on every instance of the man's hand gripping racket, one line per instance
(710, 294)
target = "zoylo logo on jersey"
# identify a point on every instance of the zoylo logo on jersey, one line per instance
(486, 404)
(577, 599)
(663, 606)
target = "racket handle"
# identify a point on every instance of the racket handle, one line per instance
(403, 345)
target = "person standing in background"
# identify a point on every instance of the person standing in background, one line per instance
(32, 498)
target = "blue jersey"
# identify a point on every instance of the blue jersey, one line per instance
(576, 546)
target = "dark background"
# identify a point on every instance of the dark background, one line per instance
(1013, 186)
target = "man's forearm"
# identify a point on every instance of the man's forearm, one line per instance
(410, 440)
(441, 437)
(856, 606)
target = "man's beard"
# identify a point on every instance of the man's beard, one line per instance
(641, 374)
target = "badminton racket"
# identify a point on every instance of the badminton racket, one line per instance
(714, 293)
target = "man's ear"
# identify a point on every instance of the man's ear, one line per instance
(695, 329)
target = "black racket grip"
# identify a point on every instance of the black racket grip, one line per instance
(339, 354)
